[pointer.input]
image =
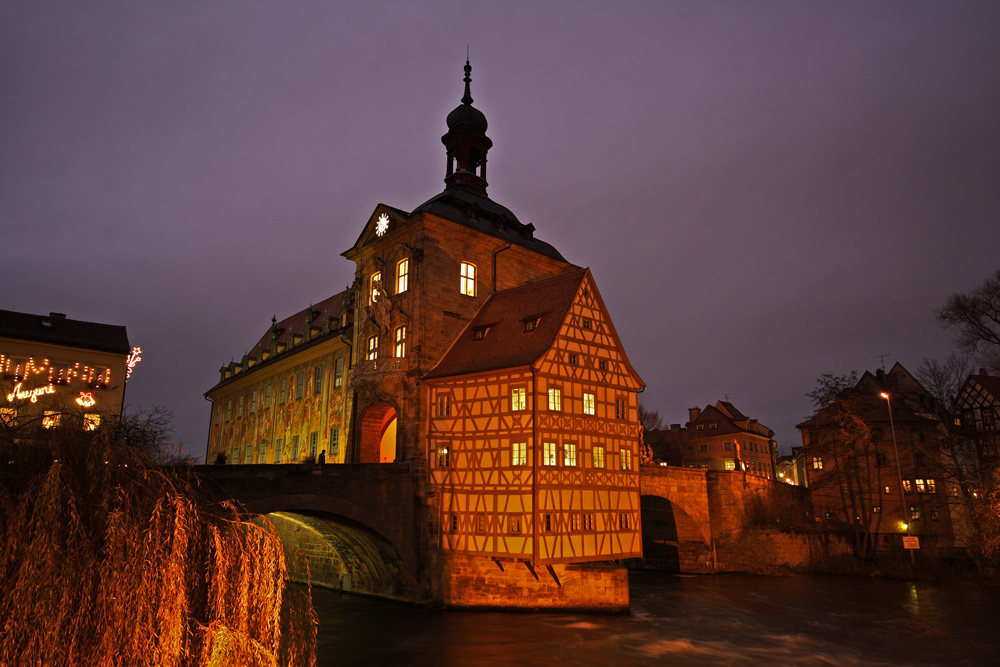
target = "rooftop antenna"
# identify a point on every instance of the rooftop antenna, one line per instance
(881, 360)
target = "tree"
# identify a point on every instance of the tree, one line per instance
(828, 387)
(976, 316)
(943, 381)
(650, 419)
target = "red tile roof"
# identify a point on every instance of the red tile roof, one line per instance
(506, 343)
(296, 323)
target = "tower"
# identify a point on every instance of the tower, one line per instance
(466, 142)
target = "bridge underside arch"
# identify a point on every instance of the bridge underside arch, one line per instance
(672, 541)
(378, 434)
(346, 556)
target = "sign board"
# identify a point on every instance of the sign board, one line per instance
(911, 542)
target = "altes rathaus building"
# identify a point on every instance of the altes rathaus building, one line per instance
(474, 354)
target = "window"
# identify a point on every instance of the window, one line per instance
(730, 464)
(623, 521)
(372, 348)
(480, 333)
(920, 486)
(480, 523)
(401, 341)
(218, 414)
(603, 364)
(881, 459)
(934, 513)
(703, 449)
(313, 444)
(518, 398)
(444, 457)
(267, 397)
(318, 380)
(338, 373)
(295, 448)
(467, 282)
(248, 455)
(519, 453)
(334, 442)
(284, 392)
(598, 456)
(588, 404)
(572, 359)
(569, 454)
(817, 462)
(514, 524)
(728, 445)
(444, 405)
(59, 373)
(712, 427)
(626, 455)
(918, 457)
(931, 486)
(548, 523)
(277, 450)
(906, 486)
(50, 419)
(555, 399)
(549, 454)
(253, 401)
(8, 416)
(262, 452)
(374, 283)
(888, 489)
(239, 409)
(454, 522)
(531, 324)
(402, 275)
(300, 384)
(574, 522)
(587, 324)
(877, 509)
(621, 409)
(91, 422)
(588, 521)
(914, 512)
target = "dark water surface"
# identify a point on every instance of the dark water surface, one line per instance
(685, 620)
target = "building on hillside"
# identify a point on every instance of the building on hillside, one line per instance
(720, 437)
(977, 413)
(63, 372)
(666, 445)
(791, 469)
(289, 398)
(461, 274)
(532, 435)
(855, 477)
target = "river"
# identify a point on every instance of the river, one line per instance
(685, 620)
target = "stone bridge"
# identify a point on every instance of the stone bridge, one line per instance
(363, 528)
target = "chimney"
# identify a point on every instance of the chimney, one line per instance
(694, 413)
(982, 372)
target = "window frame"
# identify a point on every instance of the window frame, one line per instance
(402, 275)
(467, 279)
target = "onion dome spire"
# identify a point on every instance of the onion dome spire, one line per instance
(466, 141)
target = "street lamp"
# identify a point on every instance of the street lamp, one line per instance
(899, 471)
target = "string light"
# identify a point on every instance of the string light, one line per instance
(132, 359)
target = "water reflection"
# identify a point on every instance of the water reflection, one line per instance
(684, 620)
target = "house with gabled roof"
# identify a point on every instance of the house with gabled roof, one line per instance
(978, 413)
(720, 437)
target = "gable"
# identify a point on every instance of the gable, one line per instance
(383, 222)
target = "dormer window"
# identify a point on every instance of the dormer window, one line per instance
(480, 333)
(531, 324)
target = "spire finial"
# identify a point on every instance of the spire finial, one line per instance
(467, 98)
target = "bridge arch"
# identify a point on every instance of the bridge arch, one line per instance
(676, 525)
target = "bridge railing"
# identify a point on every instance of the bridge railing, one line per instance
(387, 365)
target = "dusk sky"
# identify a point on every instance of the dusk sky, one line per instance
(764, 191)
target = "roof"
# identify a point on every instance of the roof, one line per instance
(57, 329)
(505, 343)
(474, 209)
(991, 383)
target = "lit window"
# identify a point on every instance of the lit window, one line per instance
(444, 405)
(914, 512)
(569, 454)
(906, 486)
(401, 341)
(373, 285)
(444, 457)
(621, 409)
(888, 489)
(931, 486)
(920, 485)
(518, 398)
(50, 419)
(730, 464)
(318, 380)
(549, 454)
(334, 442)
(300, 384)
(9, 415)
(91, 422)
(531, 324)
(338, 373)
(467, 283)
(626, 459)
(480, 333)
(59, 373)
(877, 509)
(519, 453)
(555, 399)
(817, 462)
(588, 404)
(372, 348)
(598, 456)
(402, 275)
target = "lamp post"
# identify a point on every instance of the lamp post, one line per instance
(899, 470)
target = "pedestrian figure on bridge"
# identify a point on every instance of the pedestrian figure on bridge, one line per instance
(322, 457)
(220, 458)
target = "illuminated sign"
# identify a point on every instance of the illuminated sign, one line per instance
(31, 394)
(132, 359)
(86, 399)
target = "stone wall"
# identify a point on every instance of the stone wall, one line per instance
(766, 551)
(477, 582)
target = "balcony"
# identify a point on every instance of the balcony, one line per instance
(374, 366)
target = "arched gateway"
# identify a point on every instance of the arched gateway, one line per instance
(378, 434)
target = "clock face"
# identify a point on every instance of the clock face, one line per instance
(382, 224)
